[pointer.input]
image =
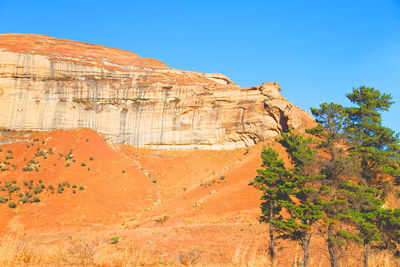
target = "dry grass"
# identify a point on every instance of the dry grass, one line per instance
(15, 251)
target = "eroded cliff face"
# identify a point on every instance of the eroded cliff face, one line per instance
(48, 83)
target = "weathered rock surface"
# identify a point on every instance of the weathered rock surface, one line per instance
(48, 83)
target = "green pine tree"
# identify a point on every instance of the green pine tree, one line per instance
(277, 184)
(337, 166)
(308, 209)
(377, 146)
(379, 152)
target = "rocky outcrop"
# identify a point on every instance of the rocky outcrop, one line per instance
(48, 83)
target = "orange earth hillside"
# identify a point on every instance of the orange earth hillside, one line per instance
(125, 185)
(168, 202)
(113, 188)
(203, 186)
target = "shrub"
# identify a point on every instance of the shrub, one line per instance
(20, 195)
(222, 177)
(81, 187)
(69, 155)
(12, 205)
(154, 180)
(162, 220)
(60, 190)
(40, 181)
(35, 199)
(23, 200)
(37, 190)
(91, 158)
(13, 188)
(114, 239)
(74, 186)
(73, 191)
(123, 171)
(14, 182)
(27, 169)
(50, 187)
(26, 183)
(83, 164)
(42, 186)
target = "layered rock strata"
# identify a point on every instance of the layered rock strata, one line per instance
(48, 83)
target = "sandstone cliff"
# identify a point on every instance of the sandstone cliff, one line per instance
(48, 83)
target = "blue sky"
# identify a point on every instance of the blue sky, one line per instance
(317, 50)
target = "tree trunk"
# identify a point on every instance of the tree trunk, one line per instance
(271, 236)
(272, 243)
(331, 247)
(366, 254)
(306, 249)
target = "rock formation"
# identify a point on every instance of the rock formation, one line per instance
(48, 83)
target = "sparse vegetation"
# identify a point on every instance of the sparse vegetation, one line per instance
(29, 189)
(114, 240)
(162, 220)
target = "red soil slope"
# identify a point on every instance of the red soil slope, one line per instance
(168, 201)
(108, 196)
(126, 185)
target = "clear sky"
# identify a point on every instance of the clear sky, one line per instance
(317, 50)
